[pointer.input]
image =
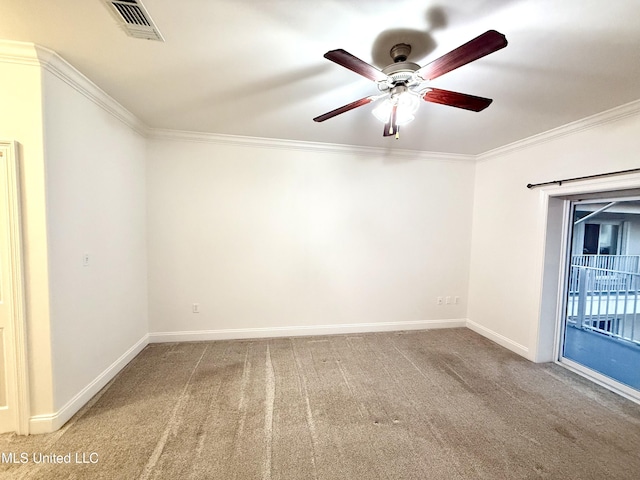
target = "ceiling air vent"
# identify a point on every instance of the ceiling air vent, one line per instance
(134, 19)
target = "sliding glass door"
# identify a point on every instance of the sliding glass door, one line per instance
(601, 325)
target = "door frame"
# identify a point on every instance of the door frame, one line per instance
(553, 201)
(18, 394)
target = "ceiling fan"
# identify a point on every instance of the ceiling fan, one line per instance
(402, 83)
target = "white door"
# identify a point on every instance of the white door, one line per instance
(13, 379)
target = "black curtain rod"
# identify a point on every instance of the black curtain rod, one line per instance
(575, 179)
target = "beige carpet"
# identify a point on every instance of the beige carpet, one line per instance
(440, 404)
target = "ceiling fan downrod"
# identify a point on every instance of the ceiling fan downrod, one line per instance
(400, 52)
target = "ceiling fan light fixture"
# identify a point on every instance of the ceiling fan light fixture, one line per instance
(407, 103)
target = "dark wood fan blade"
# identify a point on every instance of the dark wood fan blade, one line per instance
(480, 46)
(344, 58)
(344, 108)
(455, 99)
(391, 127)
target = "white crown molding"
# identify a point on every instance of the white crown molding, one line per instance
(21, 53)
(260, 142)
(35, 55)
(602, 118)
(59, 67)
(32, 54)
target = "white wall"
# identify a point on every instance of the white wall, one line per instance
(268, 238)
(95, 205)
(509, 223)
(21, 120)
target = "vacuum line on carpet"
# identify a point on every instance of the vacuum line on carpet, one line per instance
(155, 456)
(346, 381)
(242, 407)
(269, 401)
(309, 414)
(202, 439)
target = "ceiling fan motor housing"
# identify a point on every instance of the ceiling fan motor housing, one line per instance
(400, 52)
(399, 73)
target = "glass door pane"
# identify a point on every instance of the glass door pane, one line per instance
(601, 328)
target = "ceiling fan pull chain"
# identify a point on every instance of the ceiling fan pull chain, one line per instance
(392, 120)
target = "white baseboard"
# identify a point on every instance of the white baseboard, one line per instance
(301, 331)
(52, 422)
(499, 339)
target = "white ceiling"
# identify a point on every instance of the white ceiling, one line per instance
(256, 67)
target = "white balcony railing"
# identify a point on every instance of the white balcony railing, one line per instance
(622, 263)
(605, 301)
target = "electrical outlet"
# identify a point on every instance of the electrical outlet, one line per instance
(448, 300)
(439, 301)
(195, 308)
(85, 260)
(456, 300)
